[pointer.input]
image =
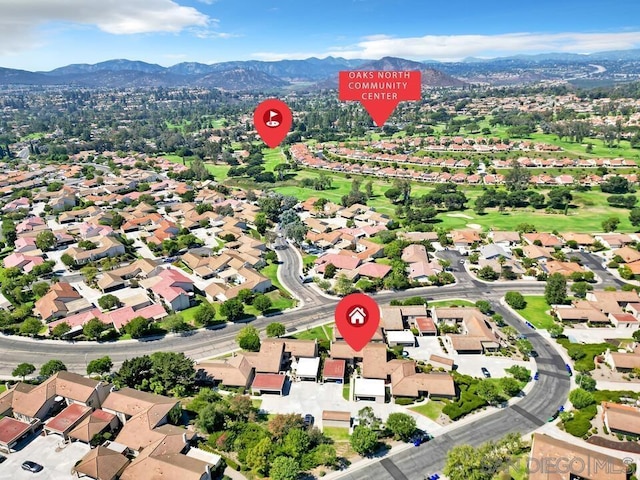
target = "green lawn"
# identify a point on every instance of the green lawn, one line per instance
(586, 215)
(278, 303)
(256, 402)
(309, 260)
(316, 333)
(218, 171)
(338, 434)
(432, 409)
(346, 391)
(535, 312)
(272, 157)
(452, 303)
(588, 352)
(2, 388)
(271, 272)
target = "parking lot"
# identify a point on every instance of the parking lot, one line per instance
(57, 462)
(471, 365)
(313, 398)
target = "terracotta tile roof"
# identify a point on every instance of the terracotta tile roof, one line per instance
(11, 429)
(374, 361)
(336, 416)
(268, 381)
(92, 425)
(583, 462)
(333, 368)
(234, 372)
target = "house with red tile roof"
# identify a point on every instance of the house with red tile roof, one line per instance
(172, 287)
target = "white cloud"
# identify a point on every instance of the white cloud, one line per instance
(456, 47)
(20, 19)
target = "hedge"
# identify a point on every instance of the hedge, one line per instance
(580, 424)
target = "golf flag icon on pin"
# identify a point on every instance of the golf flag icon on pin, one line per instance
(272, 120)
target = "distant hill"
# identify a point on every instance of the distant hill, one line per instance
(430, 76)
(313, 72)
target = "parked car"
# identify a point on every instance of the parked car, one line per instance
(485, 372)
(2, 458)
(33, 467)
(308, 420)
(419, 438)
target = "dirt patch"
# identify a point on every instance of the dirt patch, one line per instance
(631, 447)
(475, 226)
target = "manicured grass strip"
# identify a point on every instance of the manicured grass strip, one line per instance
(431, 409)
(346, 388)
(452, 303)
(315, 333)
(535, 312)
(338, 434)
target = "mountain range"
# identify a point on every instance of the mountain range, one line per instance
(310, 73)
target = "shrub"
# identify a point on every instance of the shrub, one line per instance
(404, 401)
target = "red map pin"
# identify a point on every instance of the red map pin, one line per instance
(357, 318)
(272, 119)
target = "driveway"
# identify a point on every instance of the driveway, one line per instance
(313, 398)
(471, 365)
(426, 347)
(57, 462)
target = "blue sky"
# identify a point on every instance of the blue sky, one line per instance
(44, 34)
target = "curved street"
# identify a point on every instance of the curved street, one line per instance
(525, 416)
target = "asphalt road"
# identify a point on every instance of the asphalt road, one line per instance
(205, 343)
(550, 391)
(413, 464)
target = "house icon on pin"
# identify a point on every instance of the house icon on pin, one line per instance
(357, 316)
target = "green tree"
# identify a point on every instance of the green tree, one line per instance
(555, 291)
(634, 217)
(281, 424)
(488, 273)
(402, 425)
(580, 398)
(343, 285)
(67, 260)
(45, 240)
(137, 327)
(60, 330)
(100, 365)
(248, 339)
(22, 370)
(330, 270)
(205, 314)
(51, 368)
(93, 328)
(108, 301)
(258, 456)
(517, 177)
(133, 372)
(262, 303)
(520, 373)
(275, 329)
(525, 346)
(175, 323)
(490, 391)
(210, 418)
(296, 443)
(261, 223)
(364, 440)
(610, 224)
(484, 306)
(466, 463)
(31, 326)
(586, 382)
(555, 330)
(171, 371)
(284, 468)
(40, 289)
(510, 386)
(232, 309)
(515, 300)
